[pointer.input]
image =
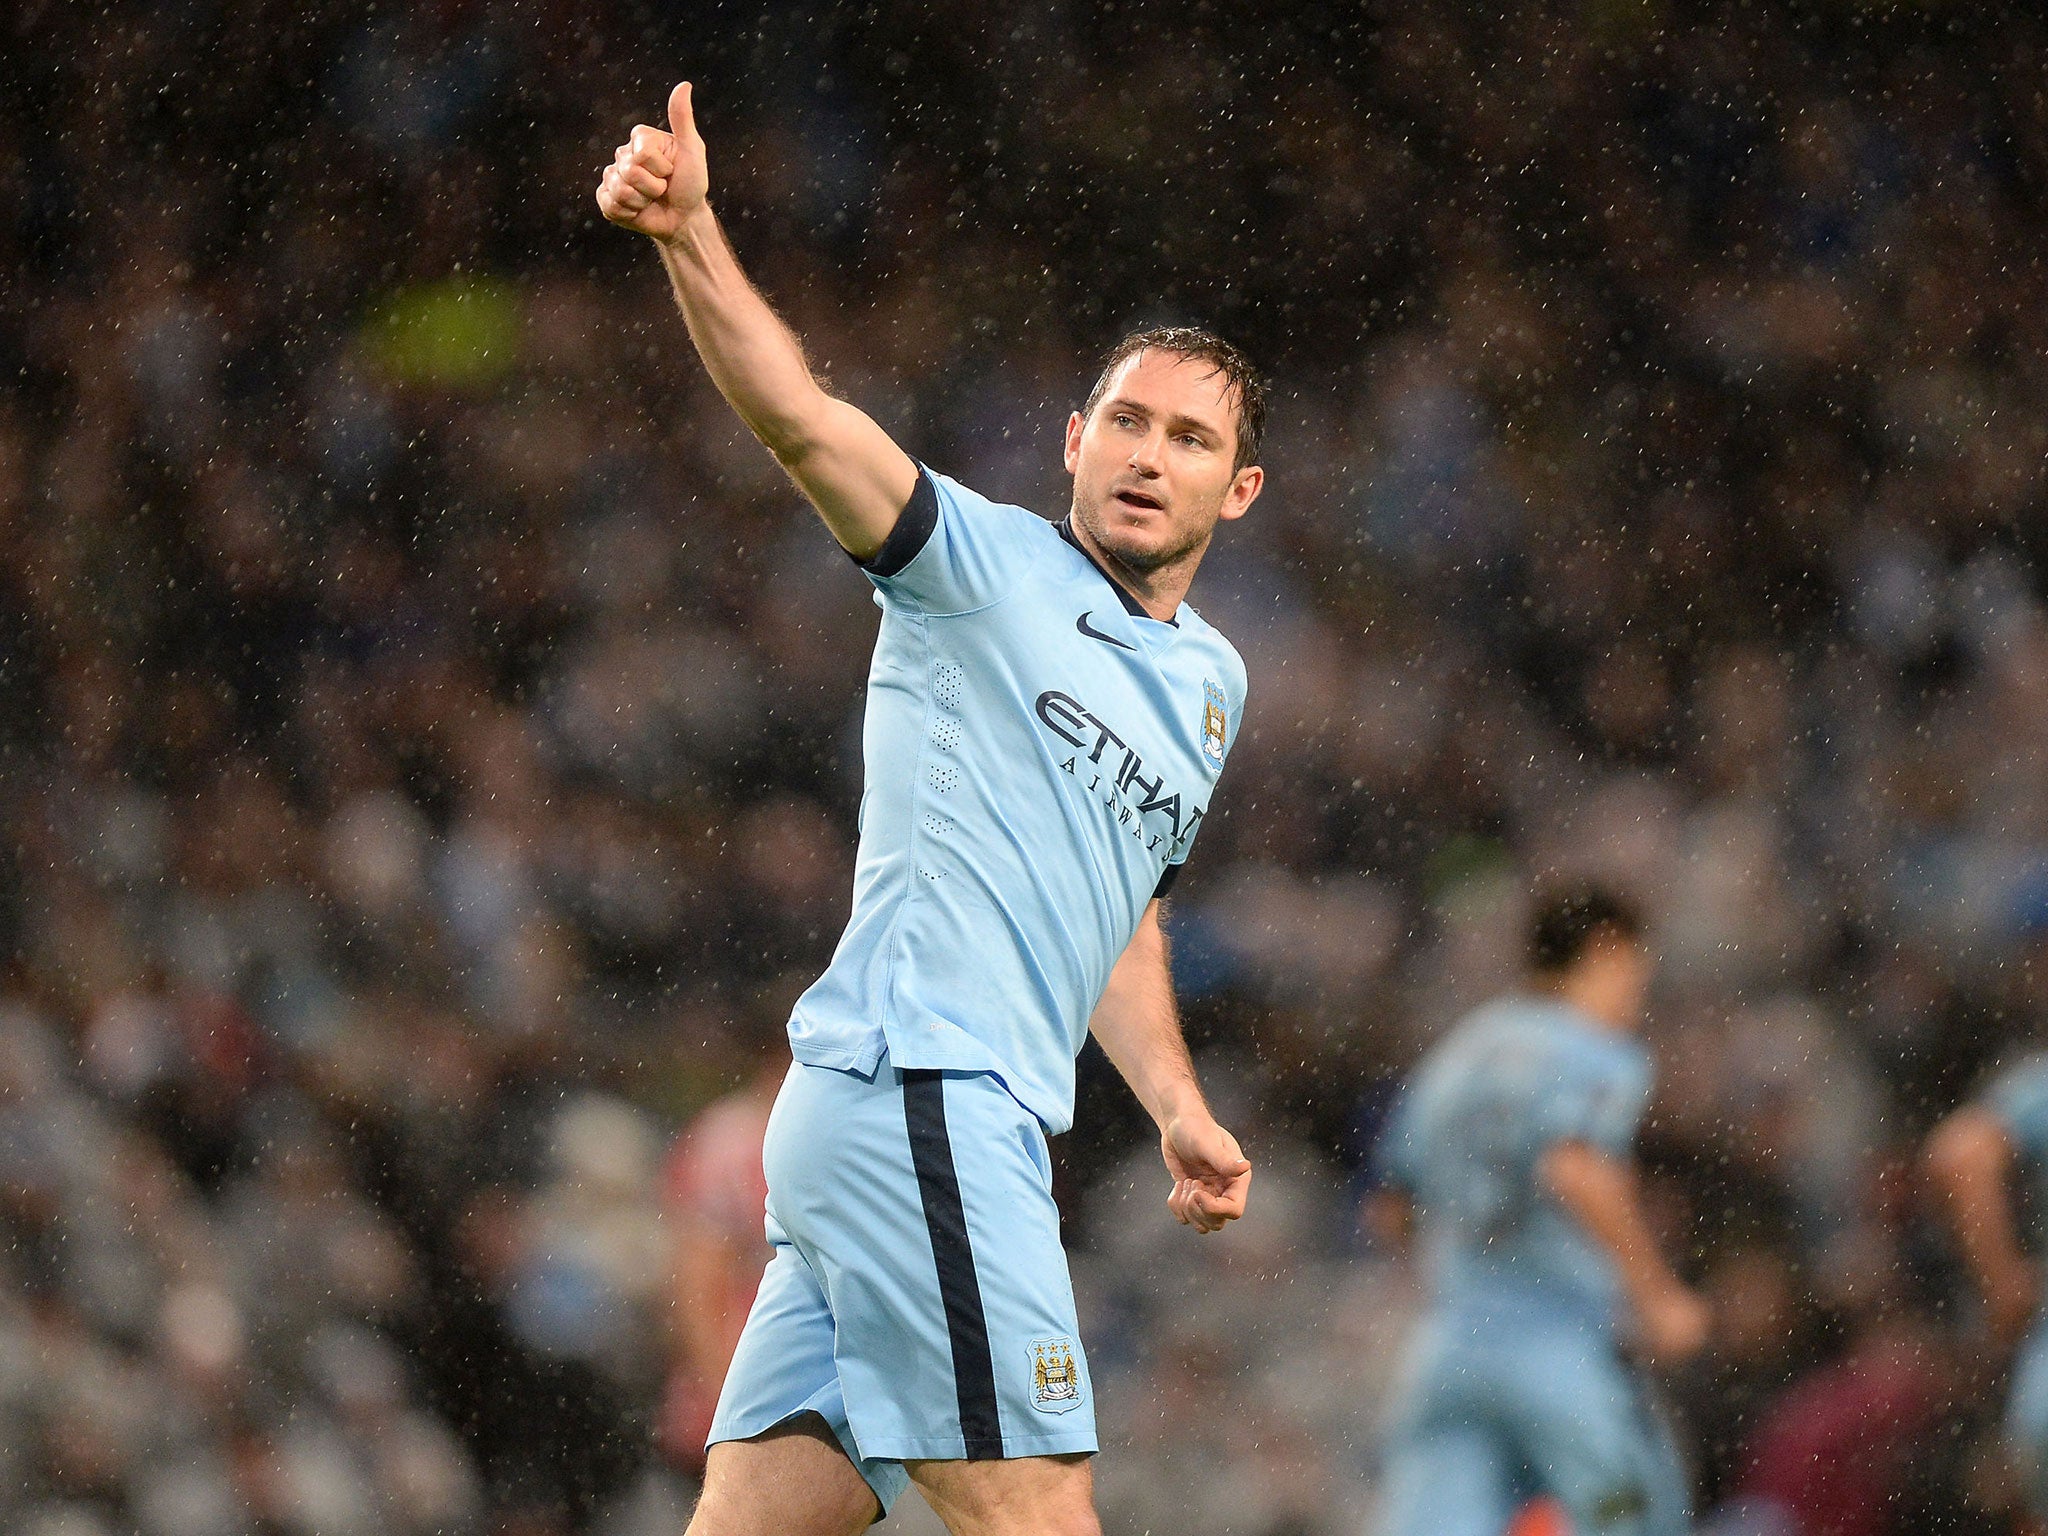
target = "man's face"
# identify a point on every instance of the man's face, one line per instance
(1619, 971)
(1153, 463)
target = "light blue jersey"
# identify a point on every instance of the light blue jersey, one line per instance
(1514, 1079)
(1040, 753)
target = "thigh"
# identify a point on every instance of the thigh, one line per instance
(1023, 1496)
(923, 1202)
(1592, 1437)
(792, 1480)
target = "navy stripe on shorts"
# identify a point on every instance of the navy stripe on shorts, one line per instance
(974, 1371)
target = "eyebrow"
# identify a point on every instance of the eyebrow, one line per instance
(1208, 429)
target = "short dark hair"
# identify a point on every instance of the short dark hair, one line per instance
(1202, 346)
(1568, 920)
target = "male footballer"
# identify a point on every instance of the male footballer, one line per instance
(1513, 1150)
(1046, 722)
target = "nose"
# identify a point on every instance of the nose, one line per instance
(1145, 454)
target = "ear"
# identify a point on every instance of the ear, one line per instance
(1074, 425)
(1244, 490)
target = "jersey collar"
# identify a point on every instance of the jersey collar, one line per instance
(1132, 606)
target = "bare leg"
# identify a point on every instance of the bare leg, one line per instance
(793, 1480)
(1028, 1496)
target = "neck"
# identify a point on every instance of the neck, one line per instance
(1159, 591)
(1590, 996)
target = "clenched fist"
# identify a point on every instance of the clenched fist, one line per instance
(1211, 1175)
(658, 180)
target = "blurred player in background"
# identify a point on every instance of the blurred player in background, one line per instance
(1986, 1165)
(1511, 1157)
(1046, 721)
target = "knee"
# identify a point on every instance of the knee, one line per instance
(792, 1481)
(1073, 1518)
(726, 1512)
(1031, 1496)
(1072, 1521)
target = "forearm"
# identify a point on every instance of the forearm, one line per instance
(860, 481)
(1602, 1195)
(752, 356)
(1138, 1028)
(1969, 1161)
(1990, 1242)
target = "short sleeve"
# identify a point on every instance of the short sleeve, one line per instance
(953, 550)
(2019, 1097)
(1599, 1099)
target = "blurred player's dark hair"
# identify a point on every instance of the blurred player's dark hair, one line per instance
(1568, 920)
(1191, 341)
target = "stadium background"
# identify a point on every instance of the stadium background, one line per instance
(429, 726)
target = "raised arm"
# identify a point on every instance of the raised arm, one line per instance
(1600, 1192)
(1138, 1029)
(1969, 1163)
(859, 480)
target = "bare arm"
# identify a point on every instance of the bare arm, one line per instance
(1139, 1030)
(857, 478)
(1969, 1166)
(1600, 1192)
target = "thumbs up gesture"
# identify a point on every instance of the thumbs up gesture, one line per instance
(658, 180)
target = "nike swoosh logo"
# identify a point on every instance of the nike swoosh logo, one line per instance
(1093, 633)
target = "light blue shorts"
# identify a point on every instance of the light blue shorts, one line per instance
(1493, 1411)
(918, 1297)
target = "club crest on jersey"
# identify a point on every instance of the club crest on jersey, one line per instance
(1213, 724)
(1055, 1379)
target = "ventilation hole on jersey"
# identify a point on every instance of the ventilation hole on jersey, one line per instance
(937, 825)
(945, 733)
(946, 680)
(943, 779)
(931, 874)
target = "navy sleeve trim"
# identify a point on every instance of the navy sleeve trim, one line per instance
(1166, 878)
(913, 530)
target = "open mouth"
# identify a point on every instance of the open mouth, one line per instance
(1140, 499)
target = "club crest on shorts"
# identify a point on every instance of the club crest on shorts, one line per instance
(1055, 1379)
(1213, 724)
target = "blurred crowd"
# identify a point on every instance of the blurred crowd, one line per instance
(428, 726)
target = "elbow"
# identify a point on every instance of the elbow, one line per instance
(790, 438)
(794, 431)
